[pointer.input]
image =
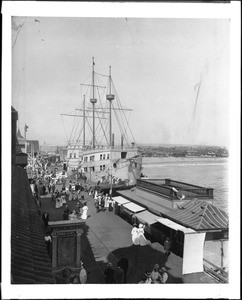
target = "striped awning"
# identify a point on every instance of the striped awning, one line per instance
(199, 215)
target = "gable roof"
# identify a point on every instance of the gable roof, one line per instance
(19, 135)
(199, 215)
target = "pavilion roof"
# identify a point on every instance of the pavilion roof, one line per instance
(199, 215)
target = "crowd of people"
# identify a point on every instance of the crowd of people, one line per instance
(119, 273)
(69, 190)
(103, 202)
(157, 275)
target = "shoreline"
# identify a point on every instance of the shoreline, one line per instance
(171, 159)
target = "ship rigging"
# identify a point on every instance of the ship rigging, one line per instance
(100, 158)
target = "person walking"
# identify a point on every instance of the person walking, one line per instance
(106, 201)
(119, 274)
(66, 213)
(96, 204)
(109, 274)
(110, 204)
(45, 218)
(77, 208)
(155, 275)
(43, 189)
(140, 236)
(48, 242)
(146, 278)
(84, 211)
(123, 263)
(134, 234)
(53, 187)
(102, 203)
(164, 275)
(167, 246)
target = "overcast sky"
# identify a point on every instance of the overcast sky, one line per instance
(158, 65)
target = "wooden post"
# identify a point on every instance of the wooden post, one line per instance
(222, 256)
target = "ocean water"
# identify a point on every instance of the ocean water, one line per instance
(207, 172)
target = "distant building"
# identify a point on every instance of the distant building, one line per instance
(33, 145)
(21, 143)
(63, 153)
(48, 149)
(19, 157)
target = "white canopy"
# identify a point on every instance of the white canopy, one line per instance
(146, 217)
(133, 207)
(174, 225)
(120, 200)
(192, 248)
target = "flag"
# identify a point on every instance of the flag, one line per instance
(26, 128)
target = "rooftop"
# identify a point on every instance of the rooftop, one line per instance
(30, 262)
(199, 215)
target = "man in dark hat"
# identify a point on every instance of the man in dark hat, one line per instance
(123, 263)
(77, 208)
(66, 213)
(45, 218)
(167, 246)
(155, 275)
(109, 274)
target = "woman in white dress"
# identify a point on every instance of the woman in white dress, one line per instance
(84, 212)
(134, 234)
(142, 239)
(106, 204)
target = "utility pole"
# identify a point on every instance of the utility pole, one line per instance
(222, 256)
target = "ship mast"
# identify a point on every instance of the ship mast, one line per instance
(84, 121)
(93, 101)
(110, 98)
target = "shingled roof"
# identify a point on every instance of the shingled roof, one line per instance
(199, 215)
(30, 262)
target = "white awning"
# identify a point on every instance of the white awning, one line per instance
(120, 200)
(133, 207)
(146, 217)
(174, 225)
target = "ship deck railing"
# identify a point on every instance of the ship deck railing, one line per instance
(100, 148)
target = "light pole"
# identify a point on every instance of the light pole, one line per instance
(222, 256)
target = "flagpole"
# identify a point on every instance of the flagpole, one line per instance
(25, 138)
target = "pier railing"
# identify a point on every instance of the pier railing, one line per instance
(191, 188)
(160, 189)
(164, 187)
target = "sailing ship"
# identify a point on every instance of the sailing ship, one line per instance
(100, 159)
